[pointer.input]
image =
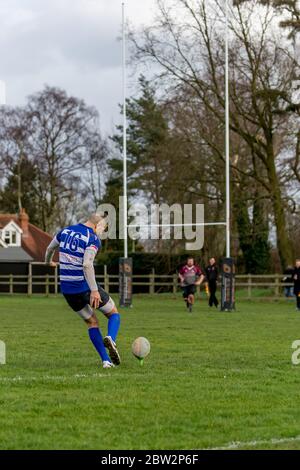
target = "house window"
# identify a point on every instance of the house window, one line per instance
(7, 237)
(10, 237)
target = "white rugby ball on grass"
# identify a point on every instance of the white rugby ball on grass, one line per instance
(140, 347)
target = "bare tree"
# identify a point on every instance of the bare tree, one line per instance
(98, 152)
(58, 137)
(60, 132)
(14, 146)
(190, 51)
(291, 7)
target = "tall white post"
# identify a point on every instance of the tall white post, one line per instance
(125, 208)
(227, 149)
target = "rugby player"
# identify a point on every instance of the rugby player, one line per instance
(190, 276)
(78, 245)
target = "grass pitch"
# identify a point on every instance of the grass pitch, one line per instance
(211, 379)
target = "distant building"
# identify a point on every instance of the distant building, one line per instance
(21, 241)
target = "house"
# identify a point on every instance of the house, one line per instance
(21, 241)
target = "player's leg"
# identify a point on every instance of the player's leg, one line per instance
(109, 309)
(213, 298)
(298, 301)
(80, 304)
(185, 295)
(191, 297)
(96, 338)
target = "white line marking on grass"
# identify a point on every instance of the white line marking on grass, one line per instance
(238, 445)
(63, 378)
(52, 378)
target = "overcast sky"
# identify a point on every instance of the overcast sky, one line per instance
(67, 43)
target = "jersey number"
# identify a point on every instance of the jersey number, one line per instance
(72, 239)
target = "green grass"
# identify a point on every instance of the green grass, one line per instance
(257, 293)
(211, 379)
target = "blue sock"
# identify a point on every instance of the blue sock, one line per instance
(114, 325)
(97, 340)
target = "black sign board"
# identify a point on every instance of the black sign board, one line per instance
(228, 285)
(125, 282)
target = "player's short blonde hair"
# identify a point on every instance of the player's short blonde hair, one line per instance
(95, 218)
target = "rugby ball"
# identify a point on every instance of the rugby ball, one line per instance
(140, 347)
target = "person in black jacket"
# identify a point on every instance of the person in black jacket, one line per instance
(288, 279)
(296, 278)
(212, 278)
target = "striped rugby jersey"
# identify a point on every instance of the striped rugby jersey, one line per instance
(73, 241)
(190, 274)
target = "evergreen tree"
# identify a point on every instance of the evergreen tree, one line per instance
(260, 233)
(253, 234)
(147, 136)
(147, 150)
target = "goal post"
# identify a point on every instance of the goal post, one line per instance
(228, 264)
(126, 269)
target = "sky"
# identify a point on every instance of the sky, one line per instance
(72, 44)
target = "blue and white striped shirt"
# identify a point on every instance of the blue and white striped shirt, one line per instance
(73, 241)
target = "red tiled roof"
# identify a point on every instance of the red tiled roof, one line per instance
(6, 218)
(36, 241)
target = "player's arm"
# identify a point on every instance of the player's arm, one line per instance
(54, 244)
(201, 277)
(200, 280)
(180, 275)
(89, 274)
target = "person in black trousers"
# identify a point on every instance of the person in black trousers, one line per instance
(212, 278)
(296, 278)
(288, 278)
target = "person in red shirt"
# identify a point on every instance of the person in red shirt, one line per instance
(190, 276)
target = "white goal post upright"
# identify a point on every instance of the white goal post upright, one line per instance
(228, 268)
(227, 148)
(227, 222)
(125, 264)
(125, 207)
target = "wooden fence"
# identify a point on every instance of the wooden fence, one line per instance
(248, 286)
